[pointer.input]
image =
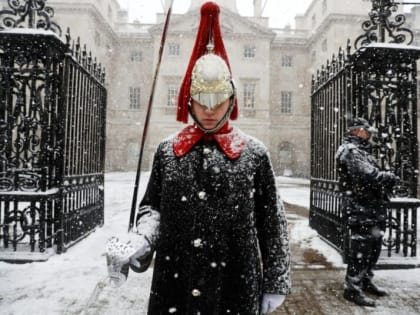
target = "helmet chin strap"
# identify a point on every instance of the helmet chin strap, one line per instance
(220, 124)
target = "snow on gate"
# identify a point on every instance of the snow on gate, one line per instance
(52, 140)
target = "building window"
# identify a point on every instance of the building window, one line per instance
(249, 51)
(286, 61)
(134, 97)
(324, 45)
(286, 102)
(173, 49)
(249, 96)
(172, 96)
(136, 56)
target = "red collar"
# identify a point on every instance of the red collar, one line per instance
(230, 140)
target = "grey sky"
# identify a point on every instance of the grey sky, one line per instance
(280, 12)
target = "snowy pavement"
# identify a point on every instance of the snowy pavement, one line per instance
(65, 283)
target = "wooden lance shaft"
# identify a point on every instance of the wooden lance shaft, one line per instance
(147, 119)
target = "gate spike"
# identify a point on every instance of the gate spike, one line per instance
(89, 61)
(328, 70)
(334, 64)
(68, 38)
(313, 83)
(95, 64)
(73, 48)
(77, 56)
(340, 57)
(348, 48)
(84, 54)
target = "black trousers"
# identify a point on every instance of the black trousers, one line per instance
(364, 251)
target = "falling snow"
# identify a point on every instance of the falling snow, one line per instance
(64, 283)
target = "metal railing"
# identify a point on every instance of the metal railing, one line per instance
(52, 140)
(378, 81)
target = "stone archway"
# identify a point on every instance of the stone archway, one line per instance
(285, 159)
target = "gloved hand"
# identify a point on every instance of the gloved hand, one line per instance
(271, 302)
(117, 259)
(130, 250)
(141, 248)
(388, 179)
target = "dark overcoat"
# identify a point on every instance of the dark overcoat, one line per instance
(365, 186)
(222, 239)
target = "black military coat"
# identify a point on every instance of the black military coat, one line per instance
(365, 187)
(222, 238)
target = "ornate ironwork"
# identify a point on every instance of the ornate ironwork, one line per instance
(380, 28)
(22, 222)
(34, 13)
(52, 140)
(390, 111)
(21, 181)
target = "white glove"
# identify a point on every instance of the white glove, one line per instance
(117, 258)
(127, 250)
(271, 302)
(141, 248)
(118, 250)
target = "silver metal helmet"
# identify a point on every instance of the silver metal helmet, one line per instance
(211, 82)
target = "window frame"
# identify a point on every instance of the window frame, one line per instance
(173, 49)
(136, 56)
(287, 61)
(134, 97)
(249, 92)
(171, 88)
(249, 51)
(286, 98)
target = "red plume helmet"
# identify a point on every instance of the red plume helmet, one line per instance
(208, 32)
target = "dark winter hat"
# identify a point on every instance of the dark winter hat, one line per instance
(207, 62)
(361, 123)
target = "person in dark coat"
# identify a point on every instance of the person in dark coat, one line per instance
(366, 190)
(211, 210)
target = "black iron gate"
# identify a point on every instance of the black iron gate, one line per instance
(52, 136)
(378, 81)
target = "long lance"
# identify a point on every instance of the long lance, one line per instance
(147, 119)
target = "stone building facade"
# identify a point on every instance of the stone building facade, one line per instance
(272, 69)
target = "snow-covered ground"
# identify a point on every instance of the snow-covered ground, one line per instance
(65, 284)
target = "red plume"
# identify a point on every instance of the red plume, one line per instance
(209, 28)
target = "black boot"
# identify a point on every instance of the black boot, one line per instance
(358, 298)
(370, 287)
